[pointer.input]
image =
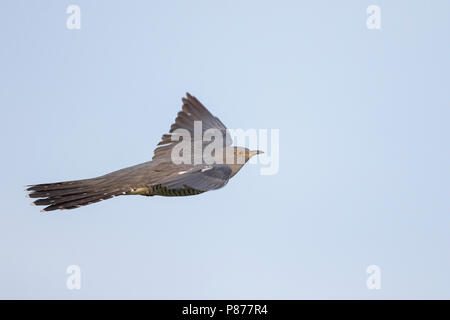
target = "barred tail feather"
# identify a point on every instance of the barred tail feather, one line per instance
(73, 194)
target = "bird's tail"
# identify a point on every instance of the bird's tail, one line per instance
(74, 194)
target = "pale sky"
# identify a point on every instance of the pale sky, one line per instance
(363, 117)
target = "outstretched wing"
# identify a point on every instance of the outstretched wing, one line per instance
(192, 110)
(202, 178)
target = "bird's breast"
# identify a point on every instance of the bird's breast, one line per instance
(163, 191)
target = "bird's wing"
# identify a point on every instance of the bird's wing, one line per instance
(202, 177)
(192, 110)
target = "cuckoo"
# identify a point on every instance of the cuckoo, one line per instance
(162, 176)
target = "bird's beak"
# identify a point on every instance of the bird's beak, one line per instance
(254, 153)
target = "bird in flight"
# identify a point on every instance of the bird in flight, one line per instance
(162, 176)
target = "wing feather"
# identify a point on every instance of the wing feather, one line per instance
(202, 177)
(192, 110)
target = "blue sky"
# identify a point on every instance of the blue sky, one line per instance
(364, 158)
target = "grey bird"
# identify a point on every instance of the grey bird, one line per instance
(160, 176)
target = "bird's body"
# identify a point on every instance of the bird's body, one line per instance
(162, 176)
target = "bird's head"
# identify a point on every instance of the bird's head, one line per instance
(245, 153)
(240, 157)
